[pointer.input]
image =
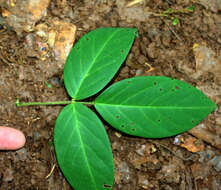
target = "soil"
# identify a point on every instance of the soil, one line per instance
(161, 49)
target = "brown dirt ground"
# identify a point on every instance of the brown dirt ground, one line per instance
(167, 48)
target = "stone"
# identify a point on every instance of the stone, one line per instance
(23, 15)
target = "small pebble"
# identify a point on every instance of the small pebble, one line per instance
(8, 175)
(216, 162)
(141, 150)
(139, 72)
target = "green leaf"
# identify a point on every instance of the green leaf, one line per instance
(95, 59)
(175, 21)
(169, 10)
(83, 149)
(191, 8)
(48, 84)
(153, 106)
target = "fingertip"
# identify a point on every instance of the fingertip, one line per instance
(11, 139)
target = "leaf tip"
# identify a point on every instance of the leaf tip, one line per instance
(136, 33)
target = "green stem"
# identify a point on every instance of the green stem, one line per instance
(89, 103)
(19, 104)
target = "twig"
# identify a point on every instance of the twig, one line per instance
(170, 12)
(150, 68)
(4, 60)
(175, 154)
(169, 2)
(177, 36)
(134, 2)
(52, 169)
